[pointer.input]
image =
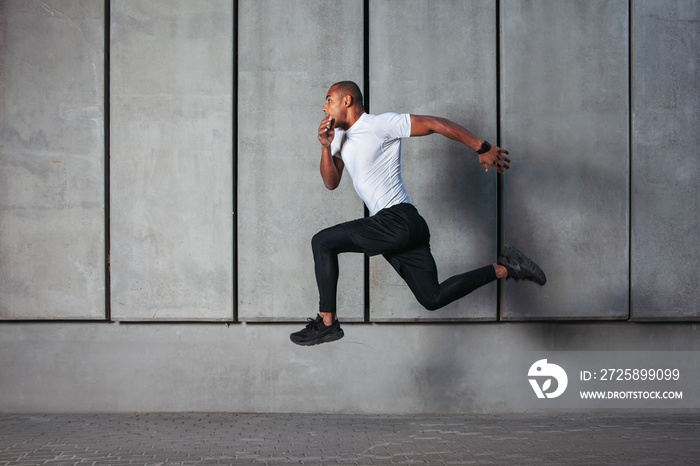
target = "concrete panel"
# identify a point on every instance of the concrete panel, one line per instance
(665, 165)
(394, 369)
(439, 58)
(564, 72)
(52, 216)
(171, 160)
(290, 53)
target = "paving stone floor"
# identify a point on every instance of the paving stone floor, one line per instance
(237, 439)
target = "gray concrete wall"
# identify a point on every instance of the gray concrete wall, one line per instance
(171, 137)
(284, 73)
(665, 162)
(376, 368)
(52, 195)
(214, 194)
(449, 69)
(565, 107)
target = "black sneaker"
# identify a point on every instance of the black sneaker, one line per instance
(520, 267)
(316, 332)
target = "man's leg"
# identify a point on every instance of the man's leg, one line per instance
(417, 268)
(388, 231)
(326, 246)
(391, 230)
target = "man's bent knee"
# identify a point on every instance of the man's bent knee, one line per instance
(316, 240)
(430, 304)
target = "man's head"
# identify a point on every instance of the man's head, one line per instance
(344, 103)
(350, 89)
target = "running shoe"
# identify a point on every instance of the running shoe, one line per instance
(316, 332)
(520, 267)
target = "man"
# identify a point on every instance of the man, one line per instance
(369, 146)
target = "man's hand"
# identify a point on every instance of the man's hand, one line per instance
(326, 131)
(331, 167)
(496, 159)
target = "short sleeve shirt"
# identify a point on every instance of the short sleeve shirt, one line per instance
(371, 152)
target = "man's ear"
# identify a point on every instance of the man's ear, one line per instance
(348, 101)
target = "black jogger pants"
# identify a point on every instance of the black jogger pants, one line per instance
(401, 235)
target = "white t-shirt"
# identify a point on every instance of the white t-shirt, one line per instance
(371, 152)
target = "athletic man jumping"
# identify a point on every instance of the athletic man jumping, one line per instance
(369, 146)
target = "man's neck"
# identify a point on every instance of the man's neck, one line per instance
(352, 119)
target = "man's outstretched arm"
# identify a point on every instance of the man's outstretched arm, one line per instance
(422, 125)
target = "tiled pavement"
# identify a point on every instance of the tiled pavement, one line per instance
(183, 439)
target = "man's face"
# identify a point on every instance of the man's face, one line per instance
(334, 104)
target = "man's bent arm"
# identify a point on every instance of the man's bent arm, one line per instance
(422, 125)
(331, 168)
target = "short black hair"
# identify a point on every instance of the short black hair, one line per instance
(350, 88)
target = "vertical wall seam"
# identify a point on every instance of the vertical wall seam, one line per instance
(499, 178)
(630, 107)
(366, 85)
(106, 121)
(365, 11)
(234, 158)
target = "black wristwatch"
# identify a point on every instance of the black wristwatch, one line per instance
(485, 147)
